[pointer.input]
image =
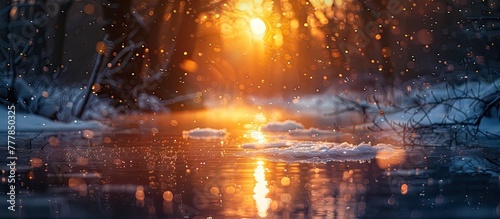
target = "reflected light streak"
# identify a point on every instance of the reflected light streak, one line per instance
(260, 190)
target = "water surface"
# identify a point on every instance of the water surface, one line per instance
(145, 168)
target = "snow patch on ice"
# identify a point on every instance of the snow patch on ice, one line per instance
(315, 134)
(315, 152)
(205, 133)
(294, 130)
(285, 126)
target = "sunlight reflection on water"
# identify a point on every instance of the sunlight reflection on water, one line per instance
(139, 174)
(260, 190)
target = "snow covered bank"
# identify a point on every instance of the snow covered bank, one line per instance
(34, 123)
(205, 133)
(314, 152)
(465, 111)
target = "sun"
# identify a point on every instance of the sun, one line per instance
(258, 26)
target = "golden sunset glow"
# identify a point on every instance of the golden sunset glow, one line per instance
(260, 190)
(388, 158)
(258, 26)
(186, 108)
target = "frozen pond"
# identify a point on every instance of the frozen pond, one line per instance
(249, 109)
(146, 168)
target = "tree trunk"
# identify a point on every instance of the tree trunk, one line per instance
(185, 42)
(153, 36)
(57, 52)
(120, 26)
(4, 30)
(118, 21)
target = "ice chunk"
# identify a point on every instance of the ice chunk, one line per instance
(285, 126)
(204, 133)
(307, 151)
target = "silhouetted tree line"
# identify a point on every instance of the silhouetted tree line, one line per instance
(145, 43)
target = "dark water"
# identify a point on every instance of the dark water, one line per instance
(144, 168)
